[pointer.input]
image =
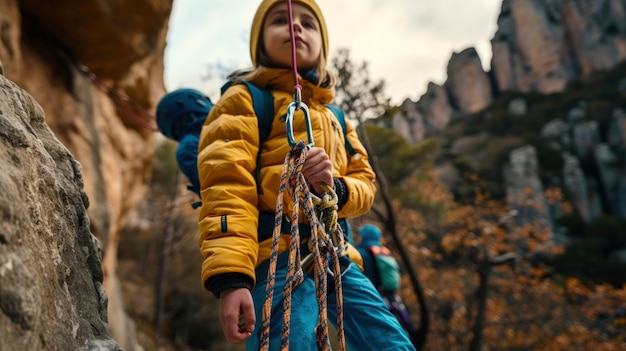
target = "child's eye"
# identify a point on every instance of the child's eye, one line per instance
(280, 20)
(309, 24)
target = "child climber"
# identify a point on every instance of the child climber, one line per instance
(236, 241)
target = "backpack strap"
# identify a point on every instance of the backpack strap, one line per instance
(263, 105)
(338, 112)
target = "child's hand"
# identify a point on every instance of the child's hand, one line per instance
(237, 314)
(318, 168)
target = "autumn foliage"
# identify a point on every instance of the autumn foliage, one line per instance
(526, 304)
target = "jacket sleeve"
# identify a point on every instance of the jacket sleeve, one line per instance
(187, 159)
(359, 179)
(228, 218)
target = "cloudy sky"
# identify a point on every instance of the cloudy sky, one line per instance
(407, 43)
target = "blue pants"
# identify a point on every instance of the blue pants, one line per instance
(368, 323)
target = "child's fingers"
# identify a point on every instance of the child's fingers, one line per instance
(231, 329)
(318, 168)
(247, 319)
(233, 305)
(233, 332)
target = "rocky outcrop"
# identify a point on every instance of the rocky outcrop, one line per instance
(409, 122)
(96, 69)
(433, 112)
(598, 189)
(613, 179)
(51, 281)
(524, 190)
(579, 189)
(616, 134)
(468, 84)
(539, 46)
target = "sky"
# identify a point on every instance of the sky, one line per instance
(406, 43)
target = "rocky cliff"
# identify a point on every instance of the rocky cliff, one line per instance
(96, 70)
(51, 291)
(539, 46)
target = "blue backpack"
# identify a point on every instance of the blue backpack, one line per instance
(181, 114)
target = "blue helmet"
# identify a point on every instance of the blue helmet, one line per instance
(178, 109)
(370, 235)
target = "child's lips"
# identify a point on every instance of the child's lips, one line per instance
(299, 40)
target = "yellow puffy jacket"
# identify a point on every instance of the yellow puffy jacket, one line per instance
(228, 218)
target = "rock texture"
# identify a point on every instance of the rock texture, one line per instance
(560, 40)
(539, 46)
(524, 190)
(96, 69)
(469, 85)
(51, 291)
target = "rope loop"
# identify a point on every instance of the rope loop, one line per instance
(326, 208)
(322, 259)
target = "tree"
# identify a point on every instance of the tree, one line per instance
(361, 99)
(356, 94)
(401, 158)
(477, 301)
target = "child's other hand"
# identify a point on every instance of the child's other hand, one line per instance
(237, 314)
(318, 168)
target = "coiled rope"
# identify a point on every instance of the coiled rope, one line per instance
(321, 245)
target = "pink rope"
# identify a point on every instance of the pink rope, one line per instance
(118, 98)
(297, 88)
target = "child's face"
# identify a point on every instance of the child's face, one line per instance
(308, 36)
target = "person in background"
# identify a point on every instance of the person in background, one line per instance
(383, 271)
(180, 115)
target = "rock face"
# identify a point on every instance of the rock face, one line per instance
(96, 69)
(539, 46)
(525, 191)
(51, 291)
(469, 85)
(543, 44)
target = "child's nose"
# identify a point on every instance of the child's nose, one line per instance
(297, 26)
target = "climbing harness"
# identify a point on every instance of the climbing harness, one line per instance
(326, 239)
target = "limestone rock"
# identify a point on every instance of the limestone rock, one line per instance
(96, 69)
(524, 189)
(579, 190)
(435, 107)
(408, 122)
(468, 84)
(51, 291)
(540, 45)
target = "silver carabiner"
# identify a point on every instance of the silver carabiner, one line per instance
(291, 109)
